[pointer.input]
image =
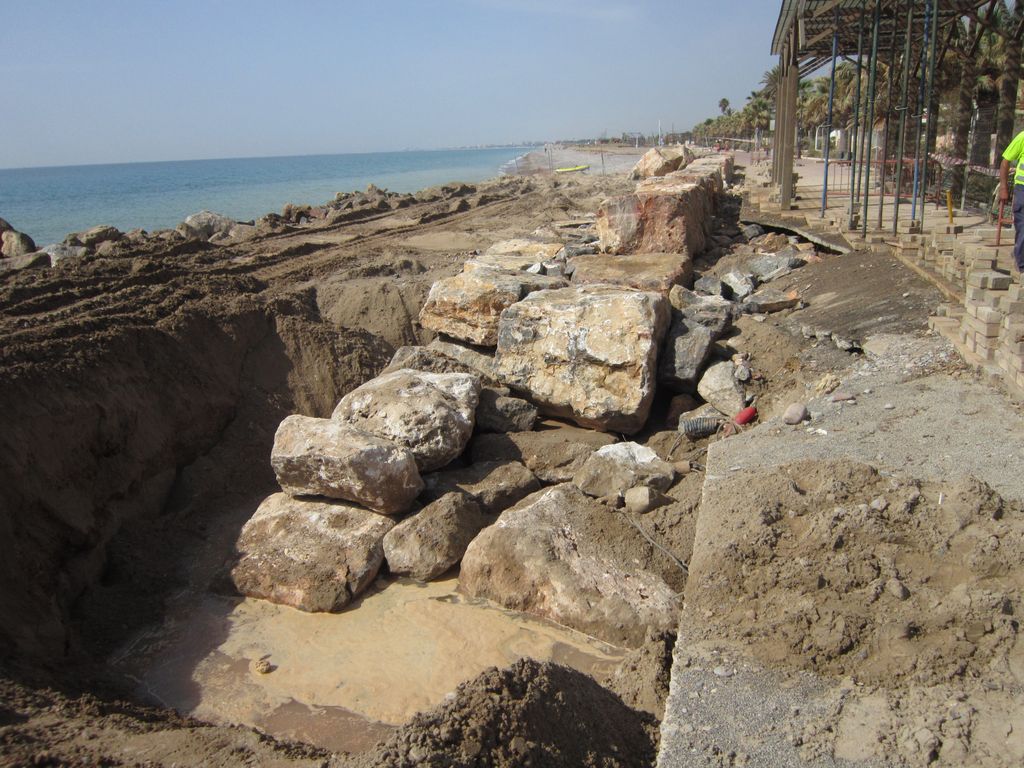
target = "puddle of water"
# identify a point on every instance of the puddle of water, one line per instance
(341, 681)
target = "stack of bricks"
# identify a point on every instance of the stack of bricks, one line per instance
(908, 246)
(1010, 353)
(940, 250)
(952, 265)
(987, 291)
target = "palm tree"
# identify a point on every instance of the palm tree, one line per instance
(723, 107)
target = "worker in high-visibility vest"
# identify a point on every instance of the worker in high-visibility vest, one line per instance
(1014, 153)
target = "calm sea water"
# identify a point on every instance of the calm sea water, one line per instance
(48, 203)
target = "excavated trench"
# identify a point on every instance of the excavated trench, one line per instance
(140, 399)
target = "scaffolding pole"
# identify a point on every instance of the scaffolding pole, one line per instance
(920, 113)
(869, 129)
(831, 101)
(888, 113)
(928, 99)
(854, 159)
(901, 143)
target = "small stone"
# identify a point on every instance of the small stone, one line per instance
(880, 504)
(828, 384)
(262, 667)
(844, 397)
(795, 413)
(642, 499)
(897, 589)
(682, 467)
(889, 406)
(723, 672)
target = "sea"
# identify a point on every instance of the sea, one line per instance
(48, 203)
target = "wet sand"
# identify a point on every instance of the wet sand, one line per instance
(342, 681)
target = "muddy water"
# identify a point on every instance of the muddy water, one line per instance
(341, 681)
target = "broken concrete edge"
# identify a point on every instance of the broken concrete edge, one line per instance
(829, 242)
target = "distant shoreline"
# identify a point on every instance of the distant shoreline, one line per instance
(611, 160)
(49, 203)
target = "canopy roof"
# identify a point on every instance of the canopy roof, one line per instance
(815, 20)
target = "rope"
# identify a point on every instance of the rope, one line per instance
(655, 544)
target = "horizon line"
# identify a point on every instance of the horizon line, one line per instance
(514, 145)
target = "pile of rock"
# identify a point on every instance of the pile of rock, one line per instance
(436, 461)
(17, 250)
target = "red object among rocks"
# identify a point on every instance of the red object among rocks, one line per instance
(746, 416)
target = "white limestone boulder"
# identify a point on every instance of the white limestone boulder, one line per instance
(618, 467)
(659, 161)
(545, 556)
(587, 353)
(468, 305)
(643, 271)
(311, 554)
(324, 457)
(431, 414)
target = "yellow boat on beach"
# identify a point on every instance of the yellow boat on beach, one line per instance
(572, 169)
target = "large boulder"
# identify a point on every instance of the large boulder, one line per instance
(643, 271)
(431, 414)
(324, 457)
(36, 260)
(478, 359)
(468, 305)
(94, 237)
(587, 353)
(554, 455)
(494, 485)
(665, 214)
(311, 554)
(537, 249)
(687, 349)
(769, 300)
(770, 266)
(659, 161)
(60, 251)
(14, 243)
(428, 360)
(544, 556)
(718, 386)
(498, 412)
(618, 467)
(205, 224)
(434, 539)
(716, 312)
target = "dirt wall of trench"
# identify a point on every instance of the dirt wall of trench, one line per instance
(103, 421)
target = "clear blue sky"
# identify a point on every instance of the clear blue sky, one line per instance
(94, 81)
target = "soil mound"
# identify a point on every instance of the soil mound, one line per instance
(531, 713)
(835, 567)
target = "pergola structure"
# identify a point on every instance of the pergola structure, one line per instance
(911, 34)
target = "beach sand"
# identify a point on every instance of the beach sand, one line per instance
(609, 160)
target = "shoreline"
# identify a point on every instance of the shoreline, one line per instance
(49, 203)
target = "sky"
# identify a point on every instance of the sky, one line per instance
(104, 81)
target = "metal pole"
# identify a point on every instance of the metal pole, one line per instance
(970, 154)
(854, 158)
(904, 87)
(920, 112)
(888, 113)
(869, 129)
(831, 99)
(928, 99)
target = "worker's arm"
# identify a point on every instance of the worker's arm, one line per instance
(1004, 174)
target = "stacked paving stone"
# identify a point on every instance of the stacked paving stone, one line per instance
(1010, 351)
(986, 290)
